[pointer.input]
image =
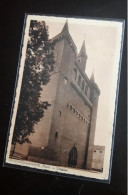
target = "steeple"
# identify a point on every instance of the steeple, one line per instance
(92, 79)
(65, 28)
(65, 35)
(83, 50)
(82, 57)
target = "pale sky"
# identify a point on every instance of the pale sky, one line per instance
(101, 44)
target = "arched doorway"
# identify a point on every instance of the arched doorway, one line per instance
(72, 159)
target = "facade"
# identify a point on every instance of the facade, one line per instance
(98, 158)
(65, 135)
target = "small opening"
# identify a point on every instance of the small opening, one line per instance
(94, 150)
(100, 151)
(60, 113)
(56, 134)
(74, 110)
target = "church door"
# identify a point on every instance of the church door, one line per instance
(72, 160)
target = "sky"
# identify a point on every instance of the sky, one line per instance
(101, 48)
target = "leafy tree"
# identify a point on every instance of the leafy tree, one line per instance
(39, 63)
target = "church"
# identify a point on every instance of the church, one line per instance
(65, 135)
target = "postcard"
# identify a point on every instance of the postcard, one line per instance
(64, 110)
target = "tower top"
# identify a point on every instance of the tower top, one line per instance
(82, 57)
(92, 79)
(83, 50)
(65, 28)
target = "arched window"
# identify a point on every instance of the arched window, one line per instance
(83, 85)
(75, 74)
(72, 160)
(79, 80)
(86, 89)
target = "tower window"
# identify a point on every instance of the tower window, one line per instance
(79, 80)
(83, 85)
(86, 89)
(60, 113)
(56, 134)
(75, 74)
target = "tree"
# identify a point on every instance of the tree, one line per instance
(39, 63)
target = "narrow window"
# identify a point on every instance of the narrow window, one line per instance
(79, 80)
(86, 89)
(83, 85)
(75, 74)
(60, 113)
(56, 134)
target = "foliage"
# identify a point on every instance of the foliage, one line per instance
(39, 63)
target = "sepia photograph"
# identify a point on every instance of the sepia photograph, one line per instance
(64, 110)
